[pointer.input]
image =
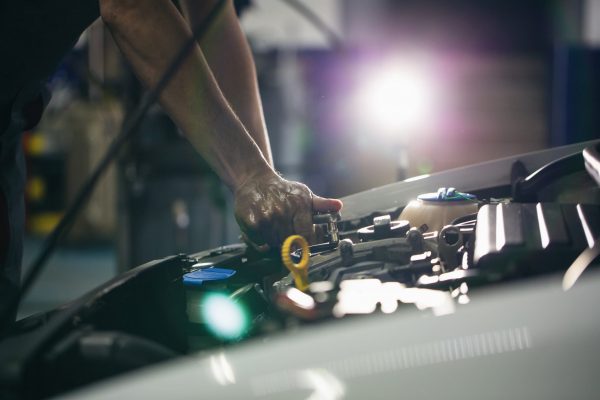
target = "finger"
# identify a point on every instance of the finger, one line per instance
(250, 227)
(322, 204)
(259, 248)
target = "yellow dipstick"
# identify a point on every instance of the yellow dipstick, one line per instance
(300, 270)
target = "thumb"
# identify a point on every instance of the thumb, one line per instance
(322, 204)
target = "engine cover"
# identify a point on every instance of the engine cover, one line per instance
(533, 237)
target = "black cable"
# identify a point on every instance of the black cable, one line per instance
(130, 127)
(316, 21)
(526, 190)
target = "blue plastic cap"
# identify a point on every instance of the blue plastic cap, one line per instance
(196, 278)
(447, 194)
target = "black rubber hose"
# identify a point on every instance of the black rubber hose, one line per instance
(121, 350)
(525, 190)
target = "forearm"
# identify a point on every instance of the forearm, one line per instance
(150, 33)
(227, 52)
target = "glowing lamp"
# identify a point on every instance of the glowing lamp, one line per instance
(397, 97)
(224, 317)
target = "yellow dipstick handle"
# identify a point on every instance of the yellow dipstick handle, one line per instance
(300, 270)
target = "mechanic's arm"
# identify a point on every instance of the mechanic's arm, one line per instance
(229, 57)
(268, 208)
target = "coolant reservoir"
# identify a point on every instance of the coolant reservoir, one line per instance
(436, 210)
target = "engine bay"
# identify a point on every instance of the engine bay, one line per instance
(391, 264)
(432, 255)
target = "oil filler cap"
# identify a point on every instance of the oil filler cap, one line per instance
(200, 276)
(383, 227)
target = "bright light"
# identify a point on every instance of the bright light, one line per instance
(224, 317)
(544, 234)
(301, 299)
(397, 97)
(222, 370)
(417, 178)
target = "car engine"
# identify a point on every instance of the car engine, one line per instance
(432, 255)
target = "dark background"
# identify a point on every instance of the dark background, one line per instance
(509, 77)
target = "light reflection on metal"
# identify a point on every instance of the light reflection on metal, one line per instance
(321, 286)
(482, 230)
(463, 299)
(222, 370)
(202, 265)
(586, 227)
(361, 296)
(579, 265)
(428, 279)
(301, 299)
(500, 237)
(358, 297)
(324, 385)
(544, 235)
(420, 257)
(453, 275)
(465, 261)
(460, 293)
(417, 178)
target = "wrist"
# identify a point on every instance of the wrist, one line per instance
(257, 173)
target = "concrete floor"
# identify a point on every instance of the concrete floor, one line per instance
(70, 272)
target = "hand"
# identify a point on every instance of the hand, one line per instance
(269, 208)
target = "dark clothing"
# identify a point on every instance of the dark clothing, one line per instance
(34, 37)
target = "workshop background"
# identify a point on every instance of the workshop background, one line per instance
(356, 94)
